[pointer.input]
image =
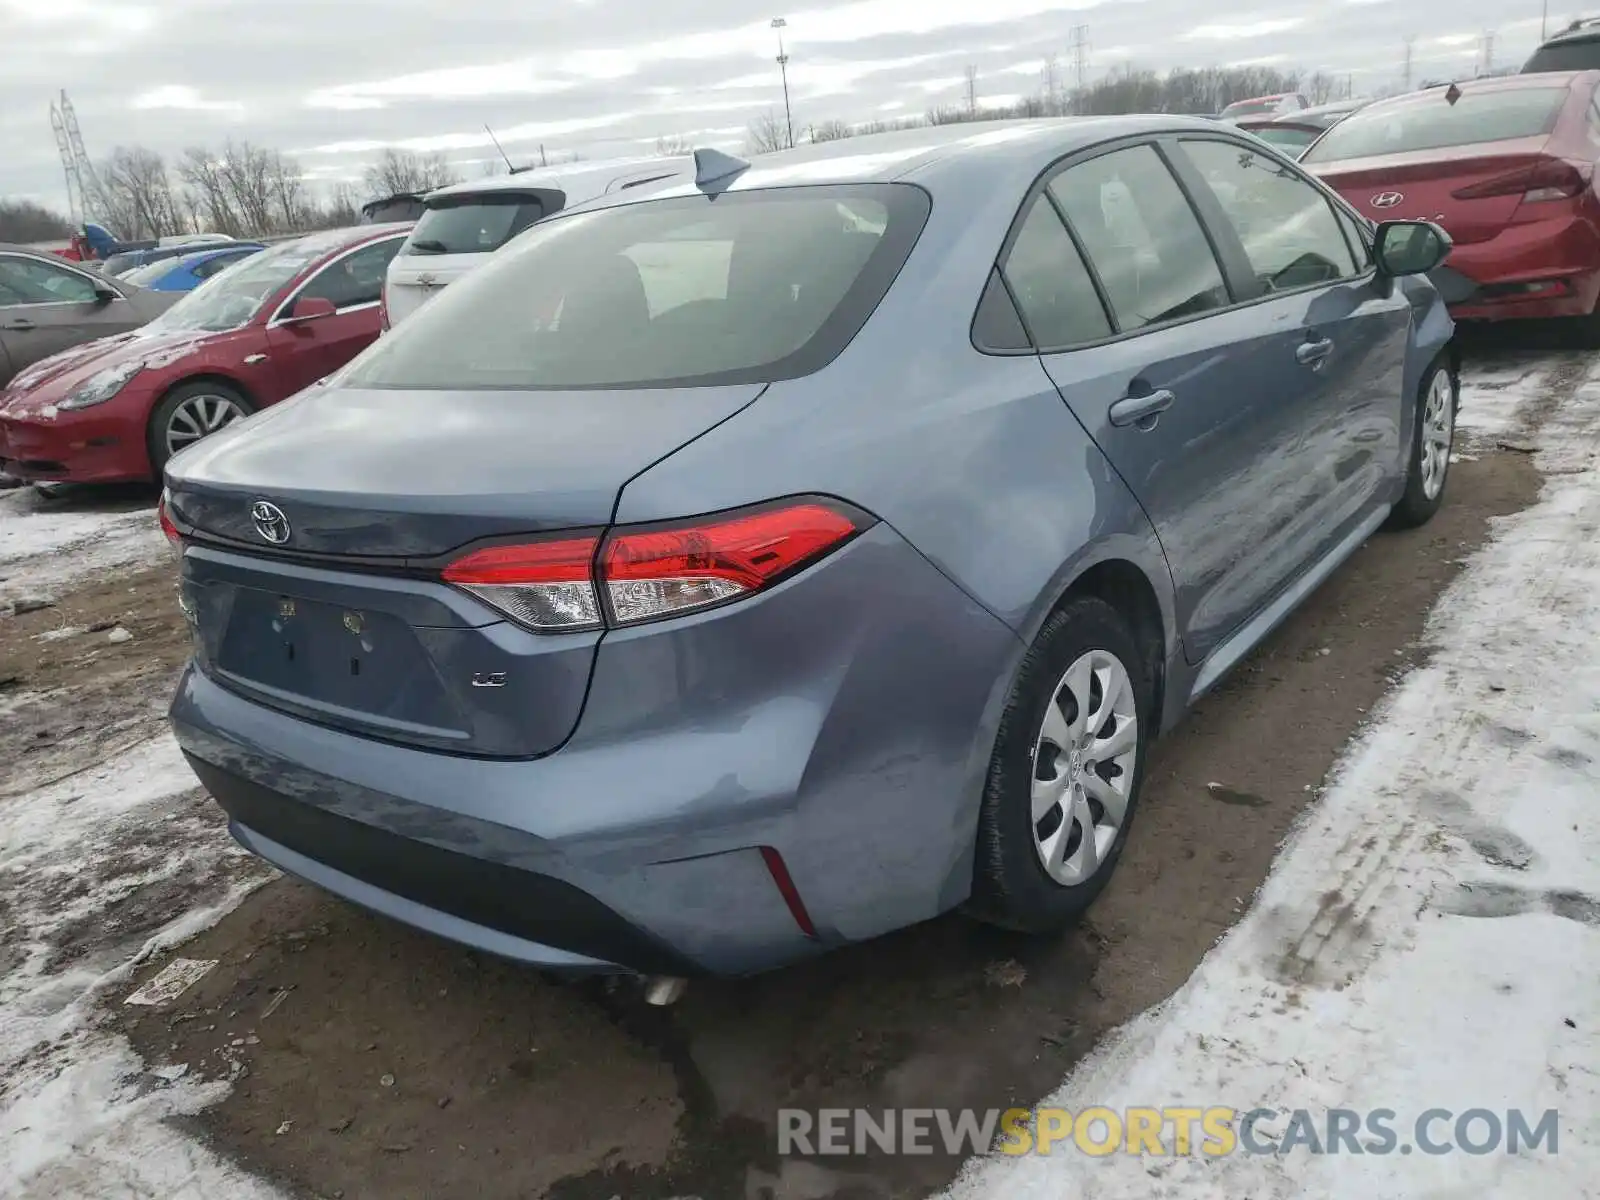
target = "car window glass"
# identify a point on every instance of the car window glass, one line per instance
(356, 278)
(1360, 239)
(35, 282)
(1144, 240)
(1052, 286)
(674, 291)
(473, 224)
(1429, 120)
(1290, 234)
(997, 325)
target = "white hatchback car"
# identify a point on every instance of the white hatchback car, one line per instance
(463, 224)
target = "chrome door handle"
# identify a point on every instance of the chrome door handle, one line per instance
(19, 325)
(1133, 410)
(1308, 353)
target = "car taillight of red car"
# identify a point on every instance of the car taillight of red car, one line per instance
(634, 574)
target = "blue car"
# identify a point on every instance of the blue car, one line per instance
(741, 569)
(185, 272)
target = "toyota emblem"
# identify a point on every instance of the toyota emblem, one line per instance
(270, 522)
(1386, 199)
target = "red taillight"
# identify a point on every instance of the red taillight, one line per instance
(543, 585)
(1550, 179)
(652, 572)
(167, 526)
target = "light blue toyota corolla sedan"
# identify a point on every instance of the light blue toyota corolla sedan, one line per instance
(732, 572)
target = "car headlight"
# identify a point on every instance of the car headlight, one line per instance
(101, 386)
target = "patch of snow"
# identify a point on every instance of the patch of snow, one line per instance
(1430, 936)
(1496, 391)
(59, 635)
(45, 545)
(89, 866)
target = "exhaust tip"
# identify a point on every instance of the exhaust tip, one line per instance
(662, 990)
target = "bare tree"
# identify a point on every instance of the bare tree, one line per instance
(137, 193)
(207, 193)
(25, 221)
(343, 207)
(1319, 88)
(673, 146)
(831, 131)
(400, 172)
(766, 134)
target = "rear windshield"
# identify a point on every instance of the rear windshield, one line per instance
(1252, 108)
(1286, 136)
(1583, 55)
(741, 287)
(118, 263)
(1431, 122)
(472, 224)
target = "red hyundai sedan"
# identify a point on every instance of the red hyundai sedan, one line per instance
(116, 409)
(1507, 166)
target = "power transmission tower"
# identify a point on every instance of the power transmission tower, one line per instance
(1050, 77)
(1488, 51)
(83, 185)
(1405, 71)
(971, 72)
(1080, 62)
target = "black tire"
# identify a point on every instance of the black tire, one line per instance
(1011, 887)
(161, 418)
(1416, 507)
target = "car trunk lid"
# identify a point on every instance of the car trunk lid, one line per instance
(345, 619)
(413, 279)
(1472, 191)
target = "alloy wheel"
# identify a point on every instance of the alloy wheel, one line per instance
(1438, 430)
(1084, 760)
(199, 416)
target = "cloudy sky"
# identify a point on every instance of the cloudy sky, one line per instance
(330, 81)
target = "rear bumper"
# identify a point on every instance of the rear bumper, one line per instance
(844, 721)
(1536, 270)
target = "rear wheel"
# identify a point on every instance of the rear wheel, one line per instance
(189, 413)
(1064, 780)
(1433, 436)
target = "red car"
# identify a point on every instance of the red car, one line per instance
(1507, 166)
(116, 409)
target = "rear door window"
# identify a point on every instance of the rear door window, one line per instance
(744, 287)
(1429, 121)
(1286, 224)
(1051, 283)
(473, 224)
(1146, 244)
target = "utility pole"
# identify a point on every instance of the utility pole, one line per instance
(780, 25)
(1488, 51)
(1544, 16)
(1080, 64)
(1405, 71)
(971, 72)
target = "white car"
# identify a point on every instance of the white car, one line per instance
(463, 224)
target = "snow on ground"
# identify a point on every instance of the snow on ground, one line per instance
(97, 872)
(1430, 935)
(47, 543)
(1497, 390)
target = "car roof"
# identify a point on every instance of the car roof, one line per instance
(995, 154)
(210, 252)
(1554, 80)
(1587, 30)
(333, 241)
(566, 175)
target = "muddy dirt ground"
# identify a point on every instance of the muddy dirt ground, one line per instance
(372, 1061)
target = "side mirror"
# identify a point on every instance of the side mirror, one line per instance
(309, 308)
(104, 293)
(1410, 247)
